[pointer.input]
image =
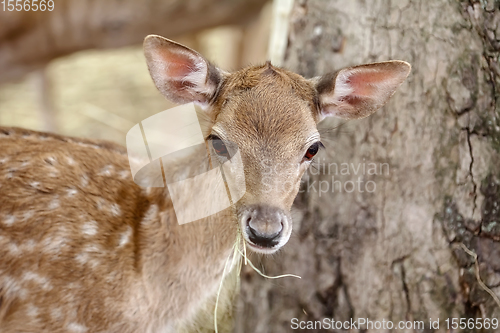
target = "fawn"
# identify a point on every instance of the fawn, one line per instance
(85, 249)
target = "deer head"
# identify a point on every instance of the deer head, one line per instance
(271, 114)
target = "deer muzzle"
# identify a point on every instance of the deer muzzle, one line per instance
(265, 228)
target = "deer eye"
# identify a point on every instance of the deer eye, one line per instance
(219, 147)
(313, 150)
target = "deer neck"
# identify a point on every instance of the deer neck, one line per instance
(182, 265)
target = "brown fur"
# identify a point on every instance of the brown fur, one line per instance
(85, 249)
(55, 274)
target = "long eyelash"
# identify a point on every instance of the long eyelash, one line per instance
(331, 129)
(329, 133)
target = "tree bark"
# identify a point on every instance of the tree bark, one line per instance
(400, 248)
(30, 39)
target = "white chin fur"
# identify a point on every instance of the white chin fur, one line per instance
(267, 250)
(263, 250)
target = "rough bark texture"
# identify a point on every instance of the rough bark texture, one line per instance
(29, 40)
(396, 252)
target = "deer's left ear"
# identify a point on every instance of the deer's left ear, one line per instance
(357, 92)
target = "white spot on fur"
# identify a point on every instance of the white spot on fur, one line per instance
(4, 160)
(124, 174)
(82, 258)
(84, 180)
(9, 175)
(125, 237)
(42, 281)
(56, 242)
(101, 203)
(73, 286)
(53, 171)
(35, 184)
(51, 160)
(32, 311)
(87, 256)
(111, 278)
(106, 171)
(77, 328)
(28, 245)
(14, 249)
(28, 215)
(71, 192)
(11, 286)
(70, 160)
(54, 204)
(9, 220)
(89, 228)
(115, 210)
(56, 314)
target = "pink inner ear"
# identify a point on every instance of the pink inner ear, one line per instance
(179, 65)
(359, 91)
(367, 83)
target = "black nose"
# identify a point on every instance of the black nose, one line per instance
(264, 225)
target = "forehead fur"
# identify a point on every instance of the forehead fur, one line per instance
(268, 75)
(265, 103)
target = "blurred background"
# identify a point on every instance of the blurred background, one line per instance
(404, 251)
(104, 89)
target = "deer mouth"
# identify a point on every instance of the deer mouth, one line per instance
(262, 249)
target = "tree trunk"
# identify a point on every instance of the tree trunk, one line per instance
(30, 39)
(388, 222)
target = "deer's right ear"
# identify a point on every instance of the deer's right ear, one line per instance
(181, 74)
